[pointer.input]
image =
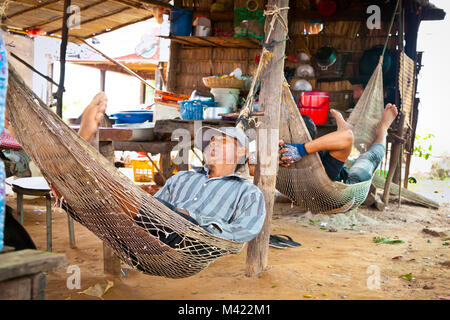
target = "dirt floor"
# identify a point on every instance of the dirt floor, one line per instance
(343, 264)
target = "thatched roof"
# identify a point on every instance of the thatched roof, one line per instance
(96, 16)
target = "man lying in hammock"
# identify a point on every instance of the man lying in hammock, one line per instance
(334, 149)
(214, 197)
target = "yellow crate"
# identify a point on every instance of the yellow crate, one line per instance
(143, 170)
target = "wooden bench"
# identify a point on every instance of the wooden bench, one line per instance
(22, 273)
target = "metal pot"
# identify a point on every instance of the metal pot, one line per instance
(326, 57)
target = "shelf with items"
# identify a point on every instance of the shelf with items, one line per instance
(216, 42)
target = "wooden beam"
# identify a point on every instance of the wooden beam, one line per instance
(42, 5)
(153, 147)
(268, 135)
(168, 126)
(380, 182)
(117, 27)
(134, 4)
(95, 18)
(157, 3)
(43, 23)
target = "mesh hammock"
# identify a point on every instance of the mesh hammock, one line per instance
(97, 193)
(306, 182)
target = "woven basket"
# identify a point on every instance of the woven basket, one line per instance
(214, 82)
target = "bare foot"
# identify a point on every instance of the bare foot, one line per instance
(92, 115)
(340, 122)
(390, 112)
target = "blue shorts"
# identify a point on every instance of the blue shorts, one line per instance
(361, 170)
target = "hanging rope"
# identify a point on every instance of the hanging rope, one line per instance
(244, 120)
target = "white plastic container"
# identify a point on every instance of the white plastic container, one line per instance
(163, 111)
(227, 98)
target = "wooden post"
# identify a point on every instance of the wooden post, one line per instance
(142, 93)
(111, 264)
(102, 80)
(395, 163)
(267, 137)
(62, 59)
(50, 67)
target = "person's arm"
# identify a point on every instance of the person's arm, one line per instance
(248, 218)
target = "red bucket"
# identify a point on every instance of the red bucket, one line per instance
(316, 105)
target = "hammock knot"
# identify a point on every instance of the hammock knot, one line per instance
(275, 12)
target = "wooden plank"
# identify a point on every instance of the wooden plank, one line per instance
(153, 147)
(169, 126)
(42, 5)
(379, 182)
(157, 3)
(225, 42)
(16, 289)
(114, 134)
(94, 18)
(25, 262)
(6, 249)
(117, 27)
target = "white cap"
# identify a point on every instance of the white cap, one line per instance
(204, 135)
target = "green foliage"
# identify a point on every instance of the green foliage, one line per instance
(423, 146)
(380, 239)
(412, 180)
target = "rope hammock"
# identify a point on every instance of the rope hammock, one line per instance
(306, 182)
(98, 193)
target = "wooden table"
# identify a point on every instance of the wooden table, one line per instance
(22, 273)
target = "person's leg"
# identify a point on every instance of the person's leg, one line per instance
(92, 115)
(366, 164)
(338, 144)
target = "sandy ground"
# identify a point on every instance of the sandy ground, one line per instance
(345, 264)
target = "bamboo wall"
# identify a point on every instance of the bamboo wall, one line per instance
(349, 37)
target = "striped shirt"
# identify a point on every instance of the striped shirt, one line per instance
(229, 207)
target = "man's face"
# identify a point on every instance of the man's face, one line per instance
(223, 149)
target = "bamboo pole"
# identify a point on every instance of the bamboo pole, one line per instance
(270, 99)
(117, 63)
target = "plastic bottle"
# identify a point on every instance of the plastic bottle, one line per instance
(3, 87)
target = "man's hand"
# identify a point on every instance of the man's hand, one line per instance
(284, 161)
